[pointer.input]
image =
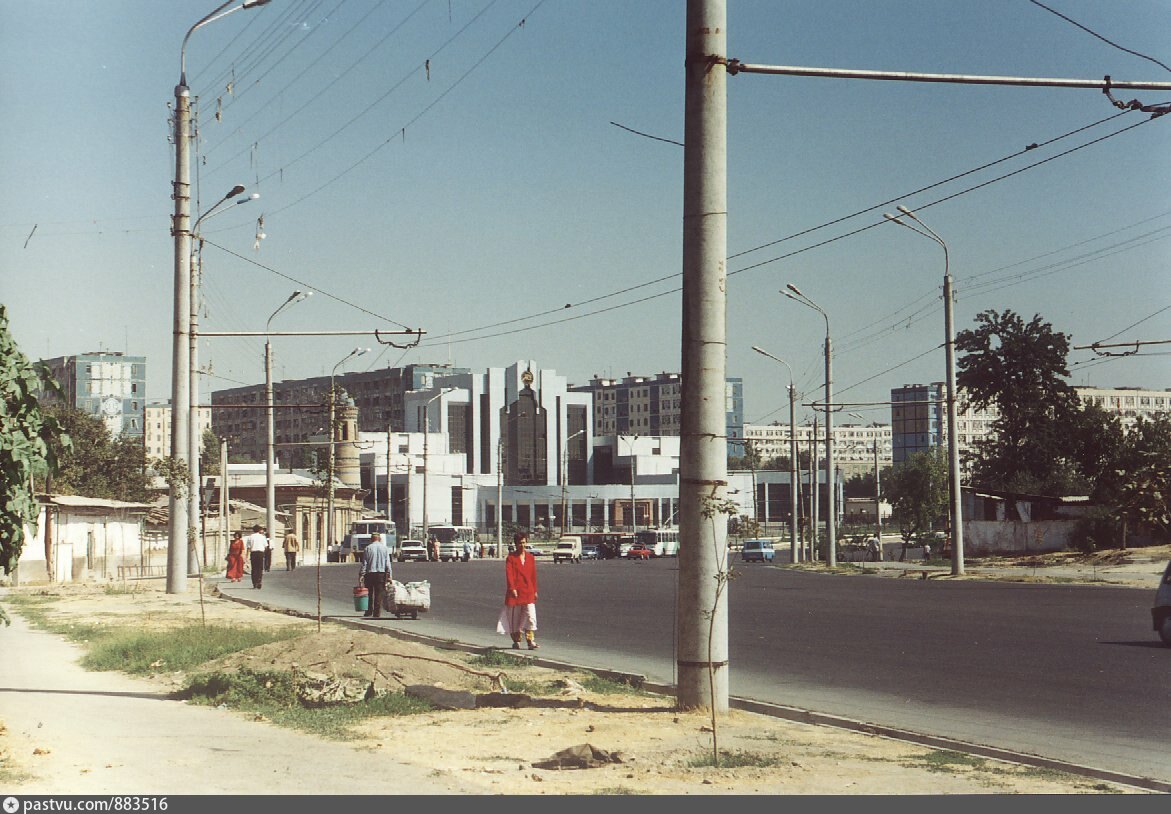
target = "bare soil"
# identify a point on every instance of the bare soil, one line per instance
(494, 749)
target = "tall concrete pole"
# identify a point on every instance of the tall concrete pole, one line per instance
(702, 615)
(194, 439)
(831, 518)
(500, 498)
(181, 353)
(794, 556)
(953, 446)
(270, 446)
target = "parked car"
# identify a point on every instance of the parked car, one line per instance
(624, 545)
(1161, 612)
(568, 550)
(638, 551)
(591, 551)
(412, 550)
(757, 551)
(536, 551)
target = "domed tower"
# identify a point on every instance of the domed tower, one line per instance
(345, 437)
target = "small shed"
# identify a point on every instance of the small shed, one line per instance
(80, 538)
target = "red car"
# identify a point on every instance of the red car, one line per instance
(638, 551)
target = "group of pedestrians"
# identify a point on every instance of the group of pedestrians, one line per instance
(259, 555)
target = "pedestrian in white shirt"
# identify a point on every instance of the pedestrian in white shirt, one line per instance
(256, 543)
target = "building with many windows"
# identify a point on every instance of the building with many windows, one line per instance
(1130, 404)
(301, 409)
(918, 418)
(854, 444)
(157, 427)
(106, 384)
(652, 405)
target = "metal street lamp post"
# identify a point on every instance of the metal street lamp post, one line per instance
(953, 451)
(179, 520)
(194, 436)
(269, 457)
(565, 476)
(794, 551)
(633, 466)
(831, 543)
(426, 433)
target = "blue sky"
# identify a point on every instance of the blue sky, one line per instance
(434, 164)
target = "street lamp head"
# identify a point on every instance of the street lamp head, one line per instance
(794, 289)
(905, 211)
(892, 218)
(255, 3)
(236, 190)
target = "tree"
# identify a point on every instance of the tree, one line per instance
(30, 442)
(917, 492)
(1021, 369)
(1140, 483)
(97, 465)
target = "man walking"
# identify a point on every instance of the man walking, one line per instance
(292, 546)
(374, 573)
(256, 543)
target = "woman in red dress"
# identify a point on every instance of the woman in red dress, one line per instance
(236, 557)
(520, 596)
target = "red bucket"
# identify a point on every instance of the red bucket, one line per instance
(361, 599)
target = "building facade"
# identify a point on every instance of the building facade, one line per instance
(157, 427)
(651, 405)
(301, 409)
(854, 444)
(1130, 404)
(918, 417)
(108, 385)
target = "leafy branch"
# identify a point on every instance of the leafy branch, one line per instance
(713, 507)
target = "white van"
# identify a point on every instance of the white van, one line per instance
(568, 549)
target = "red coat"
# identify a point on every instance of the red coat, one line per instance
(522, 578)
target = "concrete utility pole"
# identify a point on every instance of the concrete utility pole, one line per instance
(269, 454)
(702, 615)
(954, 484)
(794, 551)
(179, 521)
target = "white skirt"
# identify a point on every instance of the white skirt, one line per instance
(516, 619)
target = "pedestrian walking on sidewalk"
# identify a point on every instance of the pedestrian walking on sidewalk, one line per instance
(256, 543)
(375, 573)
(519, 615)
(236, 557)
(292, 546)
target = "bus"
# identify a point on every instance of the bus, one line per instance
(663, 542)
(451, 540)
(355, 542)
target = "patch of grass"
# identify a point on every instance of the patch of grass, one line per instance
(735, 760)
(499, 658)
(142, 652)
(609, 686)
(946, 760)
(121, 589)
(273, 695)
(536, 688)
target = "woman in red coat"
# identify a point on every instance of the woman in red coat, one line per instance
(520, 596)
(236, 558)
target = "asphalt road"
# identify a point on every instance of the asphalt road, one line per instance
(1070, 672)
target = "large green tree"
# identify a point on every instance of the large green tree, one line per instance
(29, 443)
(1043, 439)
(96, 464)
(917, 492)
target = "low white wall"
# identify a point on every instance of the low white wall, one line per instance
(994, 536)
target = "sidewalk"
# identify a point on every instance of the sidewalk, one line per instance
(76, 732)
(1137, 574)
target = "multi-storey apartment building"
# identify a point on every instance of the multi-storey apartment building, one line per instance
(1129, 403)
(157, 427)
(854, 444)
(105, 384)
(918, 417)
(301, 409)
(651, 405)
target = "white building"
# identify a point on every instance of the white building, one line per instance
(1129, 403)
(157, 427)
(854, 444)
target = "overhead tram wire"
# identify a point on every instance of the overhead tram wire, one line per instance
(431, 105)
(401, 81)
(277, 94)
(312, 286)
(278, 28)
(447, 337)
(1093, 33)
(1135, 324)
(258, 59)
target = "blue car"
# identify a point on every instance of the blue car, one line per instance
(757, 551)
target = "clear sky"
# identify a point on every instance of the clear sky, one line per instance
(436, 164)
